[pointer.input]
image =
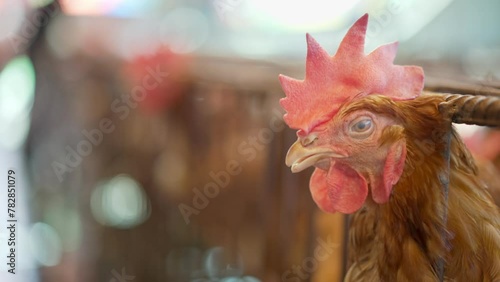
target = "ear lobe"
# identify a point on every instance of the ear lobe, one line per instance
(393, 169)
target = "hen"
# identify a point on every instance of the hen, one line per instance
(377, 142)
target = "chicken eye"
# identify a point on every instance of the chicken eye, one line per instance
(361, 127)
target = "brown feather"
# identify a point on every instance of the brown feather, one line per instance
(404, 239)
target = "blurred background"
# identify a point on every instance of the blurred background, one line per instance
(148, 142)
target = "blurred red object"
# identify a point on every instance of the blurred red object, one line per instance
(161, 76)
(484, 144)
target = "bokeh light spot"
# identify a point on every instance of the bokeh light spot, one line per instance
(219, 263)
(40, 3)
(120, 202)
(17, 89)
(45, 244)
(302, 16)
(89, 7)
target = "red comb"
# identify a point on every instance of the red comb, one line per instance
(332, 81)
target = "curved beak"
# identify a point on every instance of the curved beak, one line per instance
(300, 157)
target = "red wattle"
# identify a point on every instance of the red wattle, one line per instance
(340, 189)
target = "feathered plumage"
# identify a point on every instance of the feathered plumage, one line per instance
(378, 147)
(404, 239)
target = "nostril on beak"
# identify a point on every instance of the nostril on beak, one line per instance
(308, 140)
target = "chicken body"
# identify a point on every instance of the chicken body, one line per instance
(405, 238)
